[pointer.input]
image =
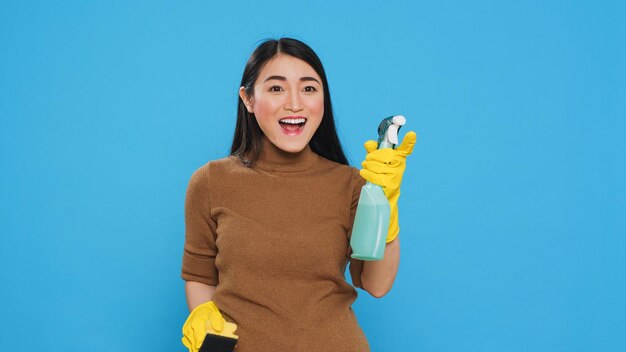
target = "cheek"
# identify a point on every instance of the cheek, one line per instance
(265, 109)
(316, 107)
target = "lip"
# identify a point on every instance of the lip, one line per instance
(297, 132)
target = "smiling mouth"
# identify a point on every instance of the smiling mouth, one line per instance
(292, 124)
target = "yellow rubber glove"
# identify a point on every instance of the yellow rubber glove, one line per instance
(384, 167)
(205, 318)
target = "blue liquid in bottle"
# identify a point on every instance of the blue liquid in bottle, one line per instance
(371, 224)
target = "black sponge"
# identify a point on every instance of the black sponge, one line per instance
(217, 343)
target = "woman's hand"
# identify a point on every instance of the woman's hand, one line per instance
(205, 318)
(385, 167)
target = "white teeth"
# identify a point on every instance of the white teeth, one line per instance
(293, 121)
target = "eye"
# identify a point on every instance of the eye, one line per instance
(275, 89)
(310, 89)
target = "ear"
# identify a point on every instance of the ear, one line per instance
(246, 100)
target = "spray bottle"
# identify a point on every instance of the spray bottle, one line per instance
(371, 222)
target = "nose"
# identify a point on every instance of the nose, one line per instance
(293, 101)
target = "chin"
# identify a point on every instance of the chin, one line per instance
(292, 148)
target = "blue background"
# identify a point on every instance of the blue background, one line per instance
(512, 208)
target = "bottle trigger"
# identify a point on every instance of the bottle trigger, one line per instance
(392, 134)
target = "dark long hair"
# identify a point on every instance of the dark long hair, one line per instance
(247, 141)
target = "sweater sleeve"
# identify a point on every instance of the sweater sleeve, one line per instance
(356, 266)
(199, 250)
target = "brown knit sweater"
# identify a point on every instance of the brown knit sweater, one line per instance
(274, 239)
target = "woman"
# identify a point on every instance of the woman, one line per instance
(268, 228)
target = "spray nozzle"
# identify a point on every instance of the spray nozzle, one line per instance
(388, 131)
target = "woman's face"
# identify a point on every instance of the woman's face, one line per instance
(288, 102)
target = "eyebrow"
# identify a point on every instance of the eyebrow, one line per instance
(283, 78)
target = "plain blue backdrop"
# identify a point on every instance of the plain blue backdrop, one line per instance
(513, 203)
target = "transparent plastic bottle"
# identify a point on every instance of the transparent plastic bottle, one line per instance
(371, 223)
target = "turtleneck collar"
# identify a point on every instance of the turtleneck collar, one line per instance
(275, 159)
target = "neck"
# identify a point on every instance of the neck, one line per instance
(273, 158)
